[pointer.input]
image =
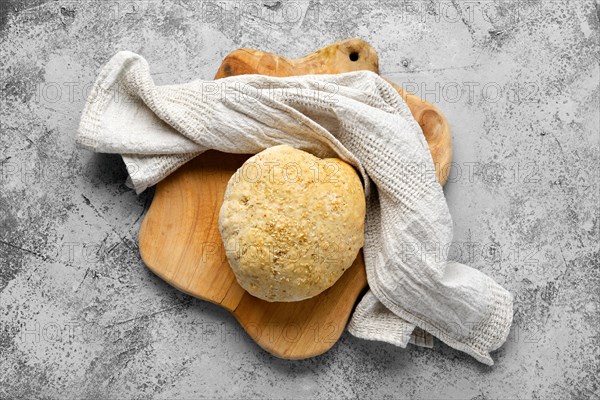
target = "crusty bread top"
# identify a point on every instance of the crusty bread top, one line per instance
(292, 223)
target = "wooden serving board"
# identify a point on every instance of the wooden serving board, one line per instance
(180, 241)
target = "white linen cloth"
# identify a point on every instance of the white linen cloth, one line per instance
(355, 116)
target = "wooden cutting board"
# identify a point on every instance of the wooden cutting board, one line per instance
(180, 241)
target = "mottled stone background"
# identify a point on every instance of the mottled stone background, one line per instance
(82, 317)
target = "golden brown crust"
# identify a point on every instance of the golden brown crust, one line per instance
(292, 223)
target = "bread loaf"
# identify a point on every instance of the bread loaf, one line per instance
(292, 223)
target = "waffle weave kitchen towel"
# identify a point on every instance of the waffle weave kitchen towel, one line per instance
(355, 116)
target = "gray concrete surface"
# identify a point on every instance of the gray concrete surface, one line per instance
(81, 317)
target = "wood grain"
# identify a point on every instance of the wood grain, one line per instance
(180, 241)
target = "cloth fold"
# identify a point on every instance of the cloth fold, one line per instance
(355, 116)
